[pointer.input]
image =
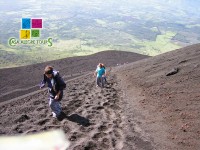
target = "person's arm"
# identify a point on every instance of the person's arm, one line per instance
(43, 82)
(105, 72)
(61, 86)
(95, 73)
(58, 95)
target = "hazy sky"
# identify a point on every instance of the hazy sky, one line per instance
(11, 5)
(170, 10)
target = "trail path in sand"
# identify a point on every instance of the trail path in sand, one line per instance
(94, 115)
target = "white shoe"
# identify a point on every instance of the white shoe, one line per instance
(54, 115)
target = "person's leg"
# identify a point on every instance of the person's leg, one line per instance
(105, 79)
(55, 106)
(102, 82)
(98, 80)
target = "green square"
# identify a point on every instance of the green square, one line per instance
(35, 33)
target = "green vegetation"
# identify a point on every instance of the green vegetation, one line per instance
(82, 28)
(162, 43)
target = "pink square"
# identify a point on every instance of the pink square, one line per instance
(36, 23)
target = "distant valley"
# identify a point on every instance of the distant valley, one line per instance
(83, 27)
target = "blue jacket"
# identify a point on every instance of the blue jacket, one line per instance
(100, 71)
(55, 84)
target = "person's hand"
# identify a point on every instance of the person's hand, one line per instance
(41, 86)
(57, 97)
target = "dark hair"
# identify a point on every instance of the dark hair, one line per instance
(48, 70)
(100, 65)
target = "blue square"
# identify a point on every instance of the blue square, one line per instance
(26, 23)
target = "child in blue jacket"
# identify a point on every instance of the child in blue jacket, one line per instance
(99, 73)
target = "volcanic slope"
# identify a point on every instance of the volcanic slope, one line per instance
(153, 103)
(162, 100)
(15, 82)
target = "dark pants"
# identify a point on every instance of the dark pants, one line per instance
(104, 79)
(55, 106)
(99, 82)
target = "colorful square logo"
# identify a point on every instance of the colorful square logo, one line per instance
(25, 34)
(35, 33)
(26, 23)
(36, 23)
(30, 28)
(30, 33)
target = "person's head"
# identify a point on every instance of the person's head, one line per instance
(48, 71)
(100, 65)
